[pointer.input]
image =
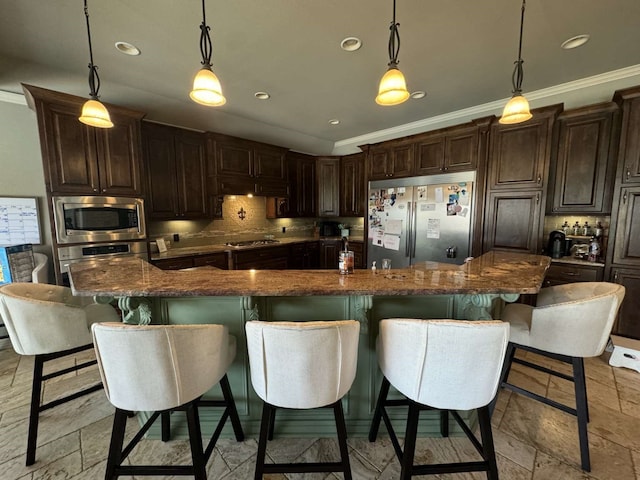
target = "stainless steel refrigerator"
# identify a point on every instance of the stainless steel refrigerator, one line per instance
(420, 219)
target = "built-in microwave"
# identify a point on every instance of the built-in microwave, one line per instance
(98, 219)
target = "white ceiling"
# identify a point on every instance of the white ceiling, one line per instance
(461, 52)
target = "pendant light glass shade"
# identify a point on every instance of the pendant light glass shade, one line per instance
(393, 88)
(515, 111)
(207, 89)
(95, 114)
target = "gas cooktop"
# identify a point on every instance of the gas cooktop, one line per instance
(252, 243)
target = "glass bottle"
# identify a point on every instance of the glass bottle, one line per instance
(594, 250)
(586, 229)
(565, 227)
(576, 228)
(599, 230)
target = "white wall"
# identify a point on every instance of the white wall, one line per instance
(21, 172)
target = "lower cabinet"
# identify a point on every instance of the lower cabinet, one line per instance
(173, 263)
(218, 260)
(329, 251)
(269, 258)
(358, 254)
(561, 273)
(304, 256)
(628, 323)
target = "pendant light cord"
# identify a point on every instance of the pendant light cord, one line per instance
(394, 40)
(206, 48)
(94, 78)
(518, 72)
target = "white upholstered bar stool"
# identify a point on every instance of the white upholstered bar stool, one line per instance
(302, 365)
(47, 321)
(568, 323)
(447, 365)
(161, 368)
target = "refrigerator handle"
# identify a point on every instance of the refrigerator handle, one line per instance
(407, 240)
(414, 227)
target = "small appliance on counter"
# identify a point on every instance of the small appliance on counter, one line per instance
(558, 245)
(329, 229)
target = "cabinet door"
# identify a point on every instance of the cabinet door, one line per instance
(582, 174)
(306, 187)
(328, 175)
(628, 323)
(512, 221)
(218, 260)
(461, 149)
(161, 174)
(352, 196)
(191, 175)
(519, 154)
(430, 154)
(71, 163)
(627, 242)
(377, 160)
(270, 163)
(630, 134)
(234, 157)
(329, 251)
(119, 156)
(401, 161)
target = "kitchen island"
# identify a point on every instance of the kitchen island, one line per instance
(475, 290)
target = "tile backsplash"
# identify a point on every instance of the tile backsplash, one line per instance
(244, 218)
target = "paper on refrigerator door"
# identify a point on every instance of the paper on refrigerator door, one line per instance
(433, 228)
(392, 242)
(393, 227)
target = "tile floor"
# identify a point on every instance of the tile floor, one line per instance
(533, 441)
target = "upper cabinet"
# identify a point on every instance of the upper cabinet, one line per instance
(328, 184)
(177, 172)
(352, 185)
(519, 154)
(83, 160)
(243, 166)
(629, 152)
(302, 179)
(452, 149)
(583, 160)
(393, 159)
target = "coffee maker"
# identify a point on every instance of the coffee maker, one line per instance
(557, 246)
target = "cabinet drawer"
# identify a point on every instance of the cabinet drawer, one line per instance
(218, 260)
(261, 258)
(561, 274)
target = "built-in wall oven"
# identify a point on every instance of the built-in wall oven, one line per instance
(90, 219)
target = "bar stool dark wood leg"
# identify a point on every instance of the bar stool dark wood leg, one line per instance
(195, 440)
(34, 412)
(489, 454)
(377, 414)
(582, 411)
(114, 457)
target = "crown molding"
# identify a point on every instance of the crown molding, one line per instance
(349, 145)
(10, 97)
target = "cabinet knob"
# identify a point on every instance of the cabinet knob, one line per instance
(446, 168)
(539, 180)
(628, 174)
(95, 189)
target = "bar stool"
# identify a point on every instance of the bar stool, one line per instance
(163, 368)
(568, 323)
(302, 365)
(447, 365)
(47, 321)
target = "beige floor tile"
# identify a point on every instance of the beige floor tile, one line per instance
(514, 449)
(563, 391)
(614, 426)
(529, 379)
(64, 468)
(550, 468)
(378, 453)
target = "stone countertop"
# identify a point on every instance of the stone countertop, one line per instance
(177, 252)
(576, 261)
(493, 272)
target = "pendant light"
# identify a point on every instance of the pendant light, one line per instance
(206, 86)
(94, 113)
(393, 87)
(517, 109)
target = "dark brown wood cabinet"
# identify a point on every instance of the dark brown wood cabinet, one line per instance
(328, 186)
(352, 185)
(178, 263)
(451, 149)
(513, 221)
(243, 166)
(583, 162)
(628, 322)
(267, 258)
(358, 254)
(83, 160)
(393, 159)
(218, 260)
(626, 249)
(304, 255)
(177, 173)
(561, 273)
(519, 154)
(629, 153)
(329, 251)
(302, 179)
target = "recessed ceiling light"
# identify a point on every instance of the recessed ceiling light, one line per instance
(575, 42)
(334, 121)
(262, 95)
(127, 48)
(418, 94)
(350, 44)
